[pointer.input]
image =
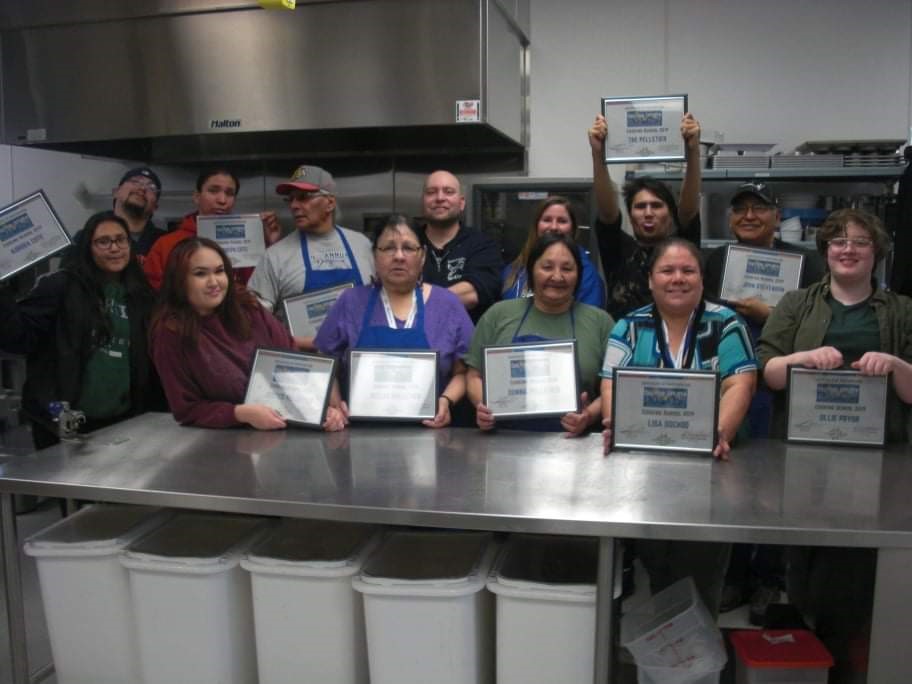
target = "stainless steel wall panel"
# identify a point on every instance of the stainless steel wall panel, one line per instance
(504, 96)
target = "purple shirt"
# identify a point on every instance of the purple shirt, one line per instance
(446, 324)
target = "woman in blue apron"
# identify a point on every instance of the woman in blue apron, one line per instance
(551, 313)
(399, 312)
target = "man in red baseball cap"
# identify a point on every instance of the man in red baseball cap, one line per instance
(319, 254)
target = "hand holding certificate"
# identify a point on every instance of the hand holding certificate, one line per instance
(836, 406)
(240, 235)
(296, 385)
(644, 129)
(392, 385)
(531, 380)
(660, 409)
(29, 232)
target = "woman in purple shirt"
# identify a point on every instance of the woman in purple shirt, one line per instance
(399, 312)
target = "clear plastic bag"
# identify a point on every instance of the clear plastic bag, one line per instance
(673, 639)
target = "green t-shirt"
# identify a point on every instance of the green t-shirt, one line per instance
(500, 324)
(853, 329)
(105, 389)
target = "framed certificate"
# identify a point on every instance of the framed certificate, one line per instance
(306, 312)
(295, 384)
(533, 379)
(644, 129)
(836, 407)
(392, 384)
(29, 232)
(763, 273)
(664, 409)
(240, 235)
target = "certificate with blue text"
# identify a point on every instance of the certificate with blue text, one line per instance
(664, 409)
(240, 235)
(533, 379)
(644, 129)
(297, 385)
(836, 407)
(29, 232)
(762, 273)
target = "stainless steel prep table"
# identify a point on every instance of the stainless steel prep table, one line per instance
(516, 482)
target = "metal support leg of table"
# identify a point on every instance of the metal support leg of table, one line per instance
(604, 614)
(889, 656)
(15, 605)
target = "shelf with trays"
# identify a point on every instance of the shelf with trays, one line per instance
(862, 173)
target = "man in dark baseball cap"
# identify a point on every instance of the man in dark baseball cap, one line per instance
(135, 201)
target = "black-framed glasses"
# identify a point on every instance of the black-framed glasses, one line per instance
(105, 242)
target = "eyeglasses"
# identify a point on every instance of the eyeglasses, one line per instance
(305, 196)
(843, 243)
(105, 242)
(758, 209)
(142, 184)
(407, 250)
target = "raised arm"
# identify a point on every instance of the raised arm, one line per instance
(689, 200)
(606, 192)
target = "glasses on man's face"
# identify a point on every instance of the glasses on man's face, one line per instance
(757, 209)
(105, 242)
(407, 249)
(304, 196)
(142, 184)
(845, 243)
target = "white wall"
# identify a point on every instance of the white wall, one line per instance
(778, 71)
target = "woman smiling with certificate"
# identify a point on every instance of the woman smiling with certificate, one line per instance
(400, 313)
(552, 313)
(681, 330)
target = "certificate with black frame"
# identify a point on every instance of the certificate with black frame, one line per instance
(392, 384)
(664, 409)
(240, 235)
(763, 273)
(836, 407)
(306, 312)
(644, 129)
(30, 231)
(532, 379)
(295, 384)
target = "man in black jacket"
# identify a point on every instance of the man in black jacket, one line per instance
(462, 259)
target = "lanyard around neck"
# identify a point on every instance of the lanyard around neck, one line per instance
(685, 354)
(388, 309)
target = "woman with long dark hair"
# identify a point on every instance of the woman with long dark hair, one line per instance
(204, 335)
(554, 215)
(83, 330)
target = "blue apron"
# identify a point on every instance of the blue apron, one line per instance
(384, 337)
(318, 280)
(535, 424)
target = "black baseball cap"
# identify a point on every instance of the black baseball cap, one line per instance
(145, 172)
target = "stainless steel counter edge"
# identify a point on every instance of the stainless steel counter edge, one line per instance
(531, 482)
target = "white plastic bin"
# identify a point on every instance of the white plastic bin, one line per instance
(545, 589)
(673, 638)
(780, 656)
(309, 620)
(86, 593)
(192, 602)
(427, 614)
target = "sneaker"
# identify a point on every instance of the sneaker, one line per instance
(760, 600)
(732, 597)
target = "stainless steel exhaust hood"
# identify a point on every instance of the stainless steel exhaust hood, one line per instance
(359, 85)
